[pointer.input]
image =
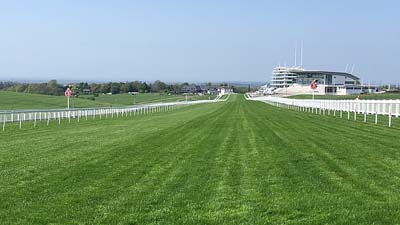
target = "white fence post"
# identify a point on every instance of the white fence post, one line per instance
(390, 108)
(390, 114)
(348, 111)
(4, 121)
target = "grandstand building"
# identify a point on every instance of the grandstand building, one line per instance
(297, 80)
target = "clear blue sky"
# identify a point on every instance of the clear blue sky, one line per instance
(195, 40)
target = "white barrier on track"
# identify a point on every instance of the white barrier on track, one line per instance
(47, 115)
(388, 108)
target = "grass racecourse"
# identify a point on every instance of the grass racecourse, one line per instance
(15, 101)
(127, 99)
(234, 162)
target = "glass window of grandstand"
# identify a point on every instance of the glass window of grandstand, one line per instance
(307, 79)
(328, 79)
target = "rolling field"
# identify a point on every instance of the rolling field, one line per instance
(16, 101)
(127, 99)
(234, 162)
(350, 97)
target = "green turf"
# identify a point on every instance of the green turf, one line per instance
(127, 99)
(234, 162)
(339, 97)
(13, 100)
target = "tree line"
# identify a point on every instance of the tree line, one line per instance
(52, 87)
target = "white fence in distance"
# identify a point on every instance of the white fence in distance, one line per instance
(390, 108)
(48, 115)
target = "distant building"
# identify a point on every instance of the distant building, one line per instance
(211, 90)
(197, 89)
(86, 91)
(224, 91)
(297, 80)
(194, 89)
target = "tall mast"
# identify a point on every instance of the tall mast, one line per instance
(301, 54)
(295, 54)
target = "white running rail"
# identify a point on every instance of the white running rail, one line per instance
(388, 108)
(48, 115)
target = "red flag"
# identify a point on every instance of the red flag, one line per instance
(314, 84)
(68, 92)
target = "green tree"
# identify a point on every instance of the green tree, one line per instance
(95, 88)
(144, 88)
(124, 88)
(131, 87)
(115, 88)
(158, 86)
(53, 88)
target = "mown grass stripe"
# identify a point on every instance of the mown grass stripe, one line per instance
(236, 162)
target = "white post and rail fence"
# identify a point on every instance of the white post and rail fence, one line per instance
(58, 115)
(341, 108)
